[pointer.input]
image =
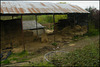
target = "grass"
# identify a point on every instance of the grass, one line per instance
(42, 64)
(54, 44)
(87, 56)
(18, 57)
(21, 54)
(45, 64)
(5, 61)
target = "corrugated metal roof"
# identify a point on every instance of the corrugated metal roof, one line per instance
(22, 7)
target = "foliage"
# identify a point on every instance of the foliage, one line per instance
(42, 64)
(29, 17)
(58, 17)
(45, 64)
(93, 17)
(49, 18)
(5, 61)
(45, 19)
(18, 57)
(88, 56)
(25, 18)
(54, 44)
(75, 37)
(5, 17)
(40, 18)
(21, 54)
(93, 20)
(92, 31)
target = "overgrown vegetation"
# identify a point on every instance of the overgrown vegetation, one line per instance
(40, 18)
(18, 57)
(87, 56)
(93, 17)
(24, 17)
(93, 20)
(46, 64)
(54, 44)
(49, 18)
(92, 30)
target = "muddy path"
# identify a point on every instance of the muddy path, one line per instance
(81, 43)
(66, 47)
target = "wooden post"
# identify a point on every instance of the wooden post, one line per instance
(87, 23)
(74, 19)
(12, 37)
(12, 17)
(36, 24)
(22, 33)
(54, 26)
(67, 16)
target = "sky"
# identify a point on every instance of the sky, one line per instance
(82, 4)
(85, 4)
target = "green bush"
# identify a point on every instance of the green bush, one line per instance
(49, 18)
(92, 31)
(54, 44)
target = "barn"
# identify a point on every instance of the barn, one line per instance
(21, 8)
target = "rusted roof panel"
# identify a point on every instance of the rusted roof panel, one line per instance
(22, 7)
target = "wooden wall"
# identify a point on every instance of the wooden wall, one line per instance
(10, 30)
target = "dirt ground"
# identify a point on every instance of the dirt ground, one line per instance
(40, 47)
(65, 47)
(32, 42)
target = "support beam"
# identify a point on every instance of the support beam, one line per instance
(11, 37)
(67, 16)
(87, 23)
(12, 17)
(22, 33)
(36, 24)
(74, 19)
(54, 25)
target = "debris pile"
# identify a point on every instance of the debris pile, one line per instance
(68, 27)
(44, 38)
(76, 30)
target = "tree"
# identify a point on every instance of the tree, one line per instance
(93, 17)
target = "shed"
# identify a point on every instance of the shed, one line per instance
(27, 7)
(15, 8)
